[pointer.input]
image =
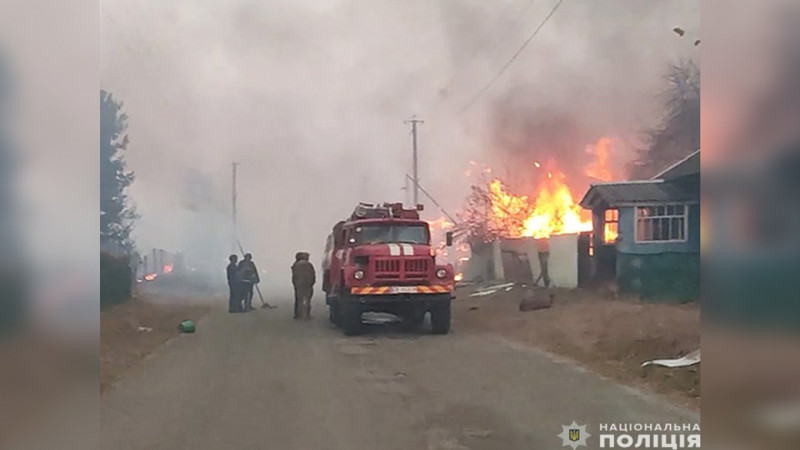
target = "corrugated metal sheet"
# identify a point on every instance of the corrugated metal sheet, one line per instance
(613, 194)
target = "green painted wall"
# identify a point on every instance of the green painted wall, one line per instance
(666, 276)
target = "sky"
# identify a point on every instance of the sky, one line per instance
(310, 98)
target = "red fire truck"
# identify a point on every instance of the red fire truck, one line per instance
(380, 259)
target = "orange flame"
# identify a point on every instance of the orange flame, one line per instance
(552, 212)
(150, 276)
(438, 228)
(611, 230)
(610, 234)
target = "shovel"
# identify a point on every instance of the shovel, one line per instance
(263, 303)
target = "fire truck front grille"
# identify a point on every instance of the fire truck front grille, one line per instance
(416, 267)
(401, 269)
(382, 266)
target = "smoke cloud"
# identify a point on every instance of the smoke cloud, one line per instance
(310, 98)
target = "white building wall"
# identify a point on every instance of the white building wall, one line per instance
(563, 262)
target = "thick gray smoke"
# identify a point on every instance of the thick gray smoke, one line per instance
(310, 97)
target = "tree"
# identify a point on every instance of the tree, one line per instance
(117, 214)
(476, 217)
(678, 133)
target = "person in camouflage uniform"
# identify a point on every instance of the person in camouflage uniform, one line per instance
(303, 279)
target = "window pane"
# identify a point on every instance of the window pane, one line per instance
(656, 232)
(676, 228)
(664, 226)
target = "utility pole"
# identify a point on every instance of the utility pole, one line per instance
(233, 205)
(414, 121)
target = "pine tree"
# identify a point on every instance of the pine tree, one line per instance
(117, 214)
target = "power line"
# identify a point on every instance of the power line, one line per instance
(485, 45)
(408, 177)
(511, 61)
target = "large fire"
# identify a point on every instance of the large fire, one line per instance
(553, 211)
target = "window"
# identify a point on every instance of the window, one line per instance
(660, 223)
(382, 234)
(611, 230)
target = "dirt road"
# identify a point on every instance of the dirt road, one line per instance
(264, 381)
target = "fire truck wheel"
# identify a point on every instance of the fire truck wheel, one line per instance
(350, 315)
(440, 318)
(413, 320)
(333, 312)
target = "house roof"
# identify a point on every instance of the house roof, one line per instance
(617, 193)
(689, 165)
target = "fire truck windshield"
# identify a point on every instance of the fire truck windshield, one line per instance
(384, 234)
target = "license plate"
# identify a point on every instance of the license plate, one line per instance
(403, 290)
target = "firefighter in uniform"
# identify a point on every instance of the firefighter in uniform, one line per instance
(247, 275)
(234, 301)
(303, 279)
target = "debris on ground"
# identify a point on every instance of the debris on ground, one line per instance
(684, 361)
(477, 434)
(533, 300)
(144, 329)
(187, 326)
(489, 290)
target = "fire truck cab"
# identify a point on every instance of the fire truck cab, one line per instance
(380, 259)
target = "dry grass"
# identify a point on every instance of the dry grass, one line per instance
(611, 336)
(123, 345)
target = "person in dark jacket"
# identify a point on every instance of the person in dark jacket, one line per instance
(303, 279)
(234, 301)
(247, 277)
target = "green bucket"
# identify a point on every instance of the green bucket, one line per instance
(187, 326)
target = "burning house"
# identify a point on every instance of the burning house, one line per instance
(538, 239)
(643, 235)
(646, 233)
